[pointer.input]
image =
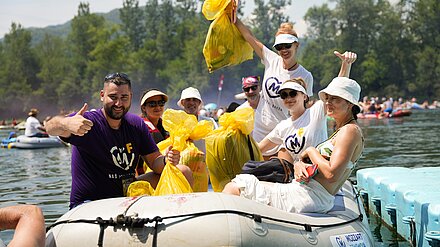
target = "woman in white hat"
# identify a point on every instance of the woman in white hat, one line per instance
(334, 157)
(305, 127)
(152, 107)
(279, 66)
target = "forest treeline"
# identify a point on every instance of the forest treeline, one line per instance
(160, 45)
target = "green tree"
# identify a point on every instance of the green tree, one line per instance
(152, 19)
(54, 62)
(19, 68)
(109, 55)
(84, 37)
(132, 18)
(424, 23)
(321, 42)
(267, 19)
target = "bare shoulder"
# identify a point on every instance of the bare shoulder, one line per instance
(352, 131)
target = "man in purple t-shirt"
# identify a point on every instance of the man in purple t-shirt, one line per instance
(107, 144)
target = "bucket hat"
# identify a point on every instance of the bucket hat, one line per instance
(188, 93)
(345, 88)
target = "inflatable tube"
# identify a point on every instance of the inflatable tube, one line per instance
(396, 113)
(401, 113)
(25, 142)
(208, 219)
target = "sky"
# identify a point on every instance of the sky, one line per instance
(43, 13)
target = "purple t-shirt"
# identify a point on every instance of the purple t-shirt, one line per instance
(104, 158)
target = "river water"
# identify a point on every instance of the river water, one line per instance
(42, 176)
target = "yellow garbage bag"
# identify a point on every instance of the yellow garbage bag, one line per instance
(224, 44)
(180, 125)
(183, 127)
(227, 148)
(140, 188)
(211, 9)
(172, 181)
(195, 160)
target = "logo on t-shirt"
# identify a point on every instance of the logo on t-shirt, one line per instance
(295, 143)
(272, 86)
(123, 157)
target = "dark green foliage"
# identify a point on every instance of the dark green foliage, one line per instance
(160, 45)
(397, 45)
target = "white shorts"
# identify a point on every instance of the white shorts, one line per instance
(292, 197)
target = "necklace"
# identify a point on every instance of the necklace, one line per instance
(334, 133)
(291, 67)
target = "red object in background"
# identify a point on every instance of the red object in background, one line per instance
(220, 83)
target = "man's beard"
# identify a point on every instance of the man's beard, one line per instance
(116, 116)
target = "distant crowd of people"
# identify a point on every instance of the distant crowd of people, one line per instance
(381, 105)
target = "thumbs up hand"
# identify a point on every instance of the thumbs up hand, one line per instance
(78, 124)
(347, 57)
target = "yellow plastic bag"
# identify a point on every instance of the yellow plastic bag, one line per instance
(211, 9)
(182, 127)
(140, 188)
(227, 147)
(224, 44)
(195, 160)
(172, 181)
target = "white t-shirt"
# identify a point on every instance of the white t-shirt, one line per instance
(308, 130)
(31, 126)
(259, 131)
(272, 109)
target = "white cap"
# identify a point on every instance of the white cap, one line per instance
(285, 38)
(188, 93)
(345, 88)
(292, 85)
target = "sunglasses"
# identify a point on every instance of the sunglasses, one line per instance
(155, 103)
(291, 93)
(247, 89)
(280, 47)
(115, 75)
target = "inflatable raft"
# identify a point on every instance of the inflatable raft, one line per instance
(25, 142)
(394, 114)
(208, 219)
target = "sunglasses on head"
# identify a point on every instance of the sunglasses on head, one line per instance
(280, 47)
(155, 103)
(291, 93)
(247, 89)
(115, 75)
